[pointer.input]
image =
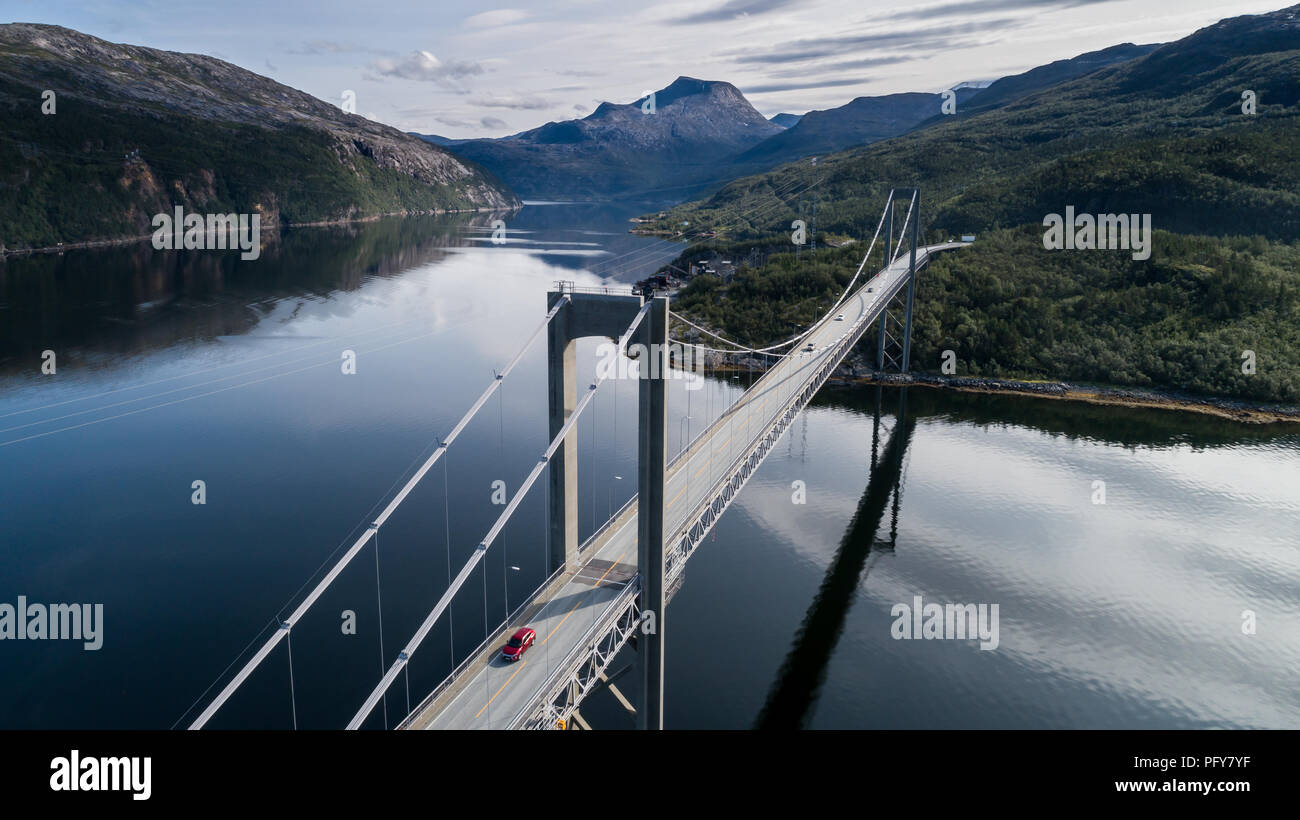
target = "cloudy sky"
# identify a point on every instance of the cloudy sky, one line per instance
(465, 69)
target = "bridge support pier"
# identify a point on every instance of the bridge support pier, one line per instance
(652, 468)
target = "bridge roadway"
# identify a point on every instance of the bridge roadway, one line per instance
(493, 691)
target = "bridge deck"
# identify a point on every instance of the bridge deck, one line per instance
(489, 692)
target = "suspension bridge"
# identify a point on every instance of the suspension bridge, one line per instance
(611, 591)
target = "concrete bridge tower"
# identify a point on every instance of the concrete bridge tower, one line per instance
(609, 315)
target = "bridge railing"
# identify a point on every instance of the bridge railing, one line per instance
(567, 286)
(591, 539)
(573, 659)
(477, 653)
(455, 674)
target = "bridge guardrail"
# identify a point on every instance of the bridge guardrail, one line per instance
(591, 539)
(451, 678)
(601, 624)
(477, 652)
(567, 286)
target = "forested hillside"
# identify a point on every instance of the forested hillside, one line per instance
(1007, 307)
(1163, 134)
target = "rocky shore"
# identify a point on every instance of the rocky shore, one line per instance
(850, 374)
(1235, 409)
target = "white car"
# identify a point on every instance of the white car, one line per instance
(808, 348)
(839, 318)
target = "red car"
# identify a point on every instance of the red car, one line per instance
(520, 641)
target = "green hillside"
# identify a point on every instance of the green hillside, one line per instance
(136, 131)
(1163, 135)
(1095, 142)
(1007, 307)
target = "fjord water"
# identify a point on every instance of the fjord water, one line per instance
(174, 368)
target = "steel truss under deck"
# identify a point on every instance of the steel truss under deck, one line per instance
(583, 668)
(892, 328)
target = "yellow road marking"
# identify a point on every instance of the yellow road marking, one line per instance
(679, 492)
(522, 664)
(710, 459)
(548, 637)
(580, 600)
(705, 467)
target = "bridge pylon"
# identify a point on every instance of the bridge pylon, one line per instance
(894, 342)
(652, 472)
(585, 314)
(606, 314)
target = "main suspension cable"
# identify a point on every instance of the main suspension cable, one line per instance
(818, 323)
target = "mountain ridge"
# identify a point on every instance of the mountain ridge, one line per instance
(1001, 167)
(595, 163)
(1164, 136)
(137, 130)
(666, 145)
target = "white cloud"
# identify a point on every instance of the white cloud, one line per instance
(496, 17)
(454, 123)
(514, 101)
(424, 67)
(514, 58)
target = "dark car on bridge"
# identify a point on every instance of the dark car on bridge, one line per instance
(520, 641)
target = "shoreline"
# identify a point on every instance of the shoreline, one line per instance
(1238, 410)
(277, 226)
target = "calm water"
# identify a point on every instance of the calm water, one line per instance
(174, 368)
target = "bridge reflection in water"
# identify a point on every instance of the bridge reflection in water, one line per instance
(799, 680)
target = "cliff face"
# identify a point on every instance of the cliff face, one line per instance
(137, 130)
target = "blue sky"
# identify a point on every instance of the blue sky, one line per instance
(465, 69)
